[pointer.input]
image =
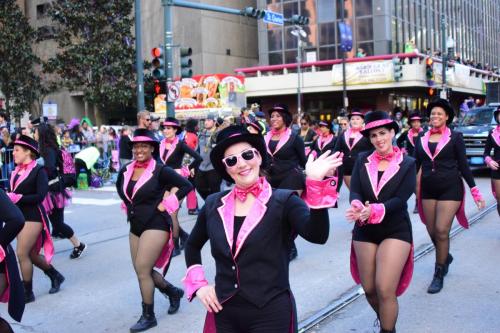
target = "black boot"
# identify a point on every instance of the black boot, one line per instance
(174, 295)
(177, 248)
(147, 320)
(28, 292)
(449, 260)
(293, 252)
(56, 279)
(183, 237)
(437, 282)
(387, 331)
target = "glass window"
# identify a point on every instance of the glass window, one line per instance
(327, 33)
(326, 11)
(275, 58)
(290, 9)
(363, 7)
(274, 39)
(308, 8)
(364, 29)
(290, 56)
(327, 53)
(367, 47)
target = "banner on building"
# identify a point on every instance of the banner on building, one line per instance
(365, 72)
(49, 110)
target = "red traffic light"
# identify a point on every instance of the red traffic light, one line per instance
(431, 91)
(156, 52)
(429, 61)
(157, 87)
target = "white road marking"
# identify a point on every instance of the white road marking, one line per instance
(95, 202)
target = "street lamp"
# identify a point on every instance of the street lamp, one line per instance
(299, 33)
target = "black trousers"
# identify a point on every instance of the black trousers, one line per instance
(207, 182)
(58, 225)
(240, 316)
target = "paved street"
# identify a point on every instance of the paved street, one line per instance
(101, 293)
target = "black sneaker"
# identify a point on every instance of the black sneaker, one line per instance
(77, 251)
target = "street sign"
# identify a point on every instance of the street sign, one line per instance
(49, 110)
(273, 18)
(345, 37)
(173, 93)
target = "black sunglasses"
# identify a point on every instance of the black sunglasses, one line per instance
(232, 160)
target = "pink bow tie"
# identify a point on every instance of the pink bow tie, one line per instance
(241, 193)
(143, 165)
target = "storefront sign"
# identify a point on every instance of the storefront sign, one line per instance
(368, 72)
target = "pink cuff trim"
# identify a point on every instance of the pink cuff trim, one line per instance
(2, 253)
(488, 159)
(123, 207)
(14, 197)
(476, 194)
(194, 280)
(171, 203)
(320, 193)
(377, 213)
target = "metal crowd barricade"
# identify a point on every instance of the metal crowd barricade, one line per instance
(7, 165)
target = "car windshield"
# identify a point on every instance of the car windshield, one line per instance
(479, 116)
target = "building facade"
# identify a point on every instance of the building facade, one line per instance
(220, 42)
(383, 27)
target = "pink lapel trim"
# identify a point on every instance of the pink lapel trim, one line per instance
(283, 139)
(22, 177)
(347, 136)
(146, 175)
(163, 146)
(411, 137)
(226, 212)
(327, 140)
(443, 141)
(495, 134)
(389, 173)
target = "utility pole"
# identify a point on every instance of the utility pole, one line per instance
(169, 55)
(444, 53)
(344, 83)
(139, 65)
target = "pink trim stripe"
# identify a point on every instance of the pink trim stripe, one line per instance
(141, 138)
(356, 114)
(322, 123)
(170, 123)
(416, 118)
(378, 123)
(20, 142)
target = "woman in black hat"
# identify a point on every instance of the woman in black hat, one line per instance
(493, 142)
(440, 153)
(406, 141)
(29, 186)
(172, 152)
(58, 196)
(11, 288)
(325, 141)
(150, 192)
(351, 143)
(249, 229)
(287, 157)
(382, 245)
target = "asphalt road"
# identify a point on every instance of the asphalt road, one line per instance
(101, 293)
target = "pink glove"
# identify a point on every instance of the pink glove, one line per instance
(14, 197)
(2, 253)
(377, 213)
(123, 207)
(320, 193)
(194, 280)
(476, 194)
(171, 203)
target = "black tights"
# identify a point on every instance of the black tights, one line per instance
(58, 225)
(439, 216)
(496, 186)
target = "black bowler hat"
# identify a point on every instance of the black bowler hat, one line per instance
(442, 103)
(283, 111)
(495, 114)
(376, 119)
(29, 143)
(414, 116)
(229, 136)
(172, 122)
(325, 123)
(356, 112)
(39, 120)
(145, 136)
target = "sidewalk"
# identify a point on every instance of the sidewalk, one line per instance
(469, 301)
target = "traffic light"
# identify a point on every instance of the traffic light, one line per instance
(431, 91)
(158, 63)
(159, 87)
(398, 68)
(299, 20)
(429, 71)
(186, 62)
(253, 12)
